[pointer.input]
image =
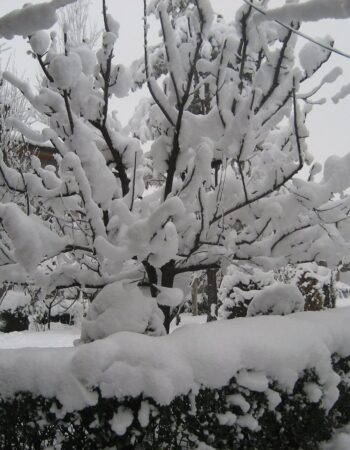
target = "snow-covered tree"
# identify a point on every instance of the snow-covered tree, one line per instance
(230, 189)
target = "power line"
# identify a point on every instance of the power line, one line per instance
(299, 33)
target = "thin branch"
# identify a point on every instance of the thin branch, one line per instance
(172, 161)
(133, 184)
(275, 80)
(261, 232)
(44, 69)
(172, 76)
(69, 111)
(217, 84)
(26, 192)
(105, 18)
(149, 85)
(124, 180)
(277, 185)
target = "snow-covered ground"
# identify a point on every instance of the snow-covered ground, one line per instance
(59, 336)
(64, 335)
(187, 319)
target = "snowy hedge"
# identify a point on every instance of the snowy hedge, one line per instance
(262, 382)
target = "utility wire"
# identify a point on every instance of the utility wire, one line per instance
(299, 33)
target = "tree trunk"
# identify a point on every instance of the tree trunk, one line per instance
(168, 276)
(49, 317)
(194, 295)
(212, 293)
(152, 278)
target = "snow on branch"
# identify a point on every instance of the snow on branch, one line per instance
(306, 12)
(311, 11)
(30, 18)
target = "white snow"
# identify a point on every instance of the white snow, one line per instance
(343, 92)
(121, 420)
(227, 418)
(58, 336)
(144, 413)
(249, 422)
(87, 58)
(238, 400)
(313, 392)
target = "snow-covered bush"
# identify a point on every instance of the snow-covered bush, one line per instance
(278, 299)
(225, 418)
(246, 290)
(316, 283)
(238, 288)
(283, 386)
(14, 311)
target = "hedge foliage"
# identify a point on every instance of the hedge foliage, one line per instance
(232, 417)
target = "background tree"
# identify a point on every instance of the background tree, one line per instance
(76, 20)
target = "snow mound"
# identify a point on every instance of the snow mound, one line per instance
(278, 299)
(118, 309)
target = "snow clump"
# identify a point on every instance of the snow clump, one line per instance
(40, 42)
(278, 299)
(31, 18)
(118, 309)
(65, 70)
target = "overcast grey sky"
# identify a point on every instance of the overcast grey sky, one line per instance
(329, 124)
